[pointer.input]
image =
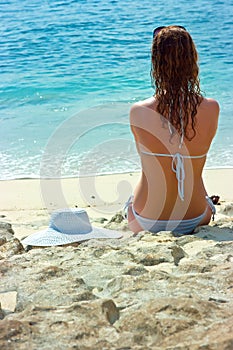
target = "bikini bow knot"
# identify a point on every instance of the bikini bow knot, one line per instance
(178, 168)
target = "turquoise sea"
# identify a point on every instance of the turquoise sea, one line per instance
(70, 69)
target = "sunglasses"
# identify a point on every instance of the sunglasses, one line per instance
(158, 29)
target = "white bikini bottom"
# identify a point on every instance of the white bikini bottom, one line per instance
(178, 226)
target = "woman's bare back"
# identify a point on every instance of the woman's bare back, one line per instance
(156, 195)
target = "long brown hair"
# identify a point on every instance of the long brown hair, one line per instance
(174, 74)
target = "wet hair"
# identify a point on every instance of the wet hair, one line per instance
(174, 75)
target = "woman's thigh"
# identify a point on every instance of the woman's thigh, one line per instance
(207, 217)
(132, 222)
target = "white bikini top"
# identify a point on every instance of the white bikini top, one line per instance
(177, 167)
(177, 158)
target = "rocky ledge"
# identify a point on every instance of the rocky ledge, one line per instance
(144, 292)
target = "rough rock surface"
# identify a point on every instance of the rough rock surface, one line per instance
(140, 292)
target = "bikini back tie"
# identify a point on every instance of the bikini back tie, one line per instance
(177, 167)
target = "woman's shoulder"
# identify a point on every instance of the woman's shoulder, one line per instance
(208, 115)
(148, 102)
(210, 104)
(142, 106)
(142, 114)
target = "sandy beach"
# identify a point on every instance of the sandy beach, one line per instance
(27, 203)
(140, 292)
(70, 72)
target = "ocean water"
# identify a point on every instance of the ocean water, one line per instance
(71, 69)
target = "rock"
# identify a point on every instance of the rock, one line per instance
(155, 292)
(14, 334)
(100, 220)
(117, 218)
(178, 253)
(3, 240)
(110, 311)
(11, 248)
(212, 337)
(135, 270)
(50, 272)
(8, 301)
(167, 318)
(217, 234)
(9, 245)
(83, 296)
(196, 266)
(183, 240)
(227, 209)
(5, 226)
(117, 222)
(153, 254)
(123, 226)
(6, 231)
(2, 313)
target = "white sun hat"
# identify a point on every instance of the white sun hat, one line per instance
(68, 226)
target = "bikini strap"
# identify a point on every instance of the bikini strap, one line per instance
(177, 167)
(212, 207)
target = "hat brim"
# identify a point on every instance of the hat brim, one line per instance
(51, 237)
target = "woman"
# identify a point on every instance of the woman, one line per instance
(173, 131)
